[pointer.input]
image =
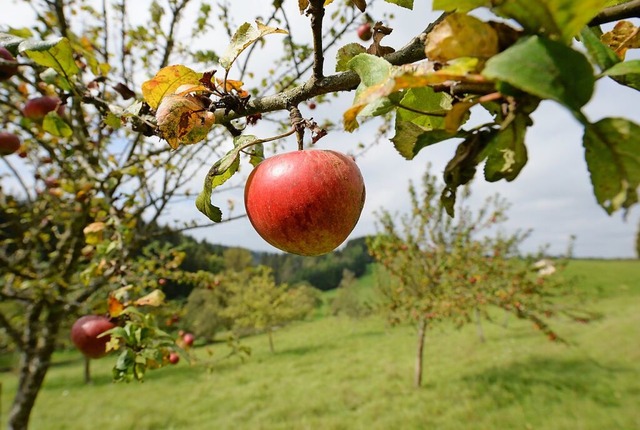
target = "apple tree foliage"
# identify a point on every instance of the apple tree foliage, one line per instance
(440, 268)
(257, 304)
(86, 178)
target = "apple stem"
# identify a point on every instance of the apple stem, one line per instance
(298, 124)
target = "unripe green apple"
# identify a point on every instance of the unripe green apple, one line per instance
(305, 202)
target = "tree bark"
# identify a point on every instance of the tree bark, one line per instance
(422, 331)
(479, 326)
(271, 348)
(87, 370)
(35, 360)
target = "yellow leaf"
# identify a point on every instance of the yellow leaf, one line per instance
(166, 81)
(154, 298)
(183, 120)
(623, 36)
(93, 233)
(234, 86)
(349, 118)
(461, 35)
(457, 115)
(303, 5)
(115, 306)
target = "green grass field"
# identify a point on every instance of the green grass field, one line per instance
(336, 373)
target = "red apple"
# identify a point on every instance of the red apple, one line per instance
(188, 339)
(85, 332)
(364, 31)
(38, 107)
(9, 143)
(7, 71)
(51, 182)
(312, 105)
(174, 358)
(305, 202)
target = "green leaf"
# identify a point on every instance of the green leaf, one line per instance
(403, 3)
(626, 73)
(55, 53)
(11, 42)
(411, 138)
(612, 152)
(560, 20)
(371, 69)
(245, 36)
(420, 120)
(599, 53)
(55, 125)
(546, 69)
(462, 167)
(624, 68)
(257, 154)
(346, 53)
(506, 152)
(219, 173)
(112, 121)
(607, 60)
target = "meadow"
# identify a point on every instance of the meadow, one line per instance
(332, 372)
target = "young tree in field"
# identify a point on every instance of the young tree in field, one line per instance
(257, 304)
(84, 96)
(455, 269)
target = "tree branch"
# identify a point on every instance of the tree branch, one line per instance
(615, 13)
(13, 333)
(345, 81)
(316, 10)
(172, 27)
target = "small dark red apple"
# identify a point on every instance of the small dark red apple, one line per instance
(305, 202)
(188, 339)
(9, 143)
(312, 105)
(162, 281)
(174, 358)
(85, 332)
(7, 70)
(51, 182)
(36, 108)
(364, 31)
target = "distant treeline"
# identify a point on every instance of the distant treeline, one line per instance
(323, 272)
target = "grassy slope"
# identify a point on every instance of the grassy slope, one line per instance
(333, 373)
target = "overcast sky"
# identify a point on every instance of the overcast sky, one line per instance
(552, 195)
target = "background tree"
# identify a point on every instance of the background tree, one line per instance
(257, 304)
(453, 269)
(347, 301)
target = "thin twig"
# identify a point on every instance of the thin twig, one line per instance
(615, 13)
(316, 10)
